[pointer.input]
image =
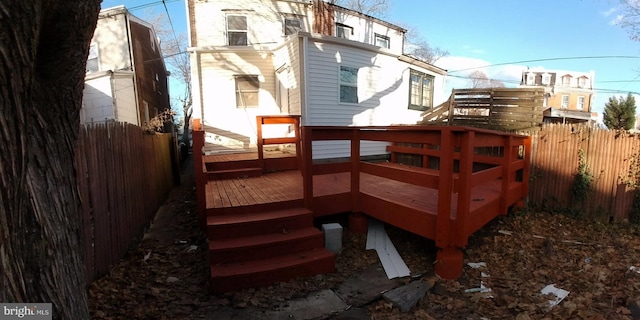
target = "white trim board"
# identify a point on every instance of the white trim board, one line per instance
(391, 261)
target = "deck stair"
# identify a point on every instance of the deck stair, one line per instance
(257, 249)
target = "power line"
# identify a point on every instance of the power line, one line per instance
(171, 23)
(150, 4)
(547, 59)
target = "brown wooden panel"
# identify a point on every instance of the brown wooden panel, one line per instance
(408, 174)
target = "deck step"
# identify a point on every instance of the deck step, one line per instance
(265, 245)
(234, 173)
(254, 273)
(252, 224)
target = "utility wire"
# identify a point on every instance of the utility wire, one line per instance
(150, 4)
(547, 59)
(171, 22)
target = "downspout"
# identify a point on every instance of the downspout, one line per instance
(132, 67)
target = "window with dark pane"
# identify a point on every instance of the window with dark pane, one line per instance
(237, 30)
(420, 91)
(348, 84)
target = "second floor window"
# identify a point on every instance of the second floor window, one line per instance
(292, 26)
(420, 91)
(566, 80)
(565, 101)
(382, 41)
(343, 31)
(237, 30)
(580, 105)
(92, 61)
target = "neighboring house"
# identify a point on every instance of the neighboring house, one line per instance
(568, 94)
(126, 77)
(331, 65)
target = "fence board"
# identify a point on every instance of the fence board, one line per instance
(123, 176)
(554, 165)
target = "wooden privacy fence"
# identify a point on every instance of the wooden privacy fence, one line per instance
(517, 110)
(123, 177)
(608, 156)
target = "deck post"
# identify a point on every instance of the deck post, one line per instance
(464, 188)
(445, 189)
(507, 173)
(199, 171)
(526, 171)
(357, 220)
(307, 167)
(260, 142)
(449, 262)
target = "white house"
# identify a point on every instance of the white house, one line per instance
(331, 65)
(126, 77)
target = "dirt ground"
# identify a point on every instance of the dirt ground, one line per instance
(166, 276)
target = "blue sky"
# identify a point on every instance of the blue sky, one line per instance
(478, 34)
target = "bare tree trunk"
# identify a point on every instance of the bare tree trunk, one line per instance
(43, 52)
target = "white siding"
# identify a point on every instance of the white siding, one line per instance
(124, 95)
(383, 93)
(265, 19)
(111, 36)
(364, 30)
(231, 126)
(97, 102)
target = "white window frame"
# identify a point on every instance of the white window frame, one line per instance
(531, 79)
(241, 102)
(94, 55)
(382, 41)
(423, 102)
(231, 31)
(566, 81)
(291, 29)
(343, 30)
(564, 104)
(580, 104)
(546, 79)
(347, 84)
(582, 82)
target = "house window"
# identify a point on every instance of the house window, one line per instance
(343, 31)
(382, 41)
(237, 30)
(291, 26)
(531, 78)
(582, 82)
(566, 81)
(348, 84)
(92, 61)
(580, 105)
(420, 91)
(247, 90)
(565, 101)
(546, 79)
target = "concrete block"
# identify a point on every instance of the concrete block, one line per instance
(332, 237)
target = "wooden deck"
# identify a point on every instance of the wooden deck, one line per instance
(462, 180)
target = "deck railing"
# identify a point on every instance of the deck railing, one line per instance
(465, 158)
(293, 120)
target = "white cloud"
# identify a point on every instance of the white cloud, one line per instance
(609, 12)
(617, 20)
(459, 69)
